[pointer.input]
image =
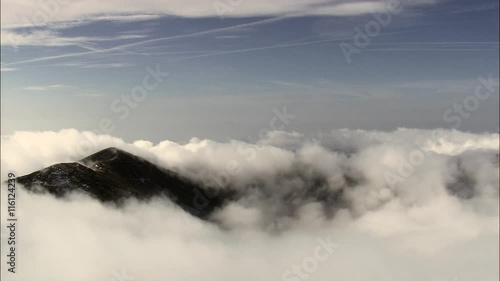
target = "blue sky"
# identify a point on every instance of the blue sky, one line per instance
(228, 70)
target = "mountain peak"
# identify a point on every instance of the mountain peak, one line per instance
(113, 174)
(109, 154)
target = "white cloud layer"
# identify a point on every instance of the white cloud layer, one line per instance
(438, 222)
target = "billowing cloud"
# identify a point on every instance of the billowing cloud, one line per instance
(348, 205)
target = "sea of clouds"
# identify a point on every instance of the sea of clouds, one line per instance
(353, 205)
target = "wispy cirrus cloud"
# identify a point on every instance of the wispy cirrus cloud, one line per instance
(435, 46)
(24, 12)
(7, 69)
(45, 87)
(69, 90)
(476, 8)
(54, 39)
(108, 65)
(230, 37)
(88, 95)
(95, 65)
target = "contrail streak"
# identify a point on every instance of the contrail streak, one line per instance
(121, 47)
(273, 47)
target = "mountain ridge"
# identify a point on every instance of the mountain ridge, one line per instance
(113, 175)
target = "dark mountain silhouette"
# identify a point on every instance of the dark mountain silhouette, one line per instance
(112, 175)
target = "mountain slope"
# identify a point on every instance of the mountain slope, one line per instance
(113, 175)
